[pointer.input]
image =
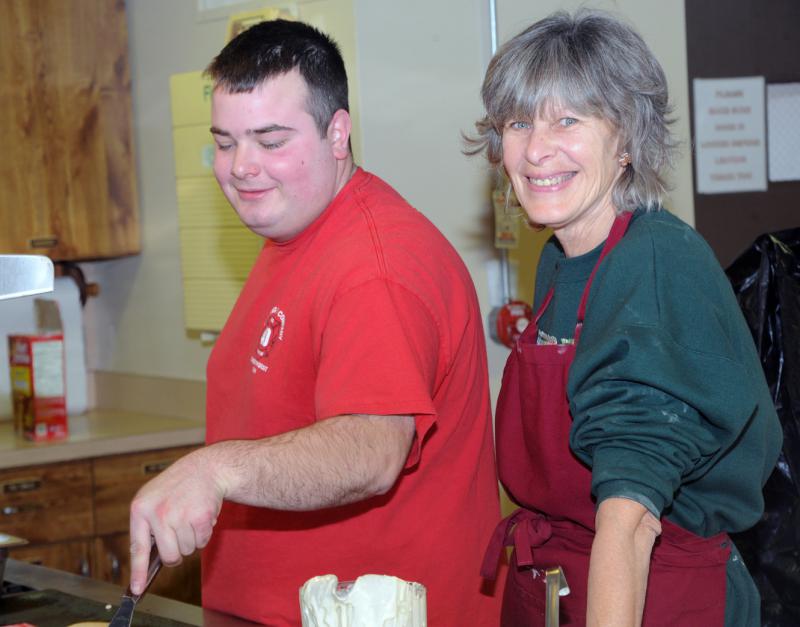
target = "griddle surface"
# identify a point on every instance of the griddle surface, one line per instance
(51, 608)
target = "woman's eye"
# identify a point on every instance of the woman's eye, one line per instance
(567, 121)
(519, 125)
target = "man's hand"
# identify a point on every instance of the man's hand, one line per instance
(177, 510)
(333, 462)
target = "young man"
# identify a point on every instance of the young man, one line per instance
(348, 420)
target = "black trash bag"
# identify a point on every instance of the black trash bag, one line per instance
(766, 279)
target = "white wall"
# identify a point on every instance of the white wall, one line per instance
(135, 326)
(420, 66)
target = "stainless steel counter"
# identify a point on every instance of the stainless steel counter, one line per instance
(41, 578)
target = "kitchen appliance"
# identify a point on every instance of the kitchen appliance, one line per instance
(23, 275)
(53, 608)
(7, 542)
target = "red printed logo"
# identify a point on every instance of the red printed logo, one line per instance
(271, 334)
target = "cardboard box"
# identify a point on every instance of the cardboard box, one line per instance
(38, 386)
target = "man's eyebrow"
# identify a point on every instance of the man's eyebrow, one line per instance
(256, 131)
(270, 129)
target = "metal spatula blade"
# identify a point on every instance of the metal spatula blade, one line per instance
(123, 616)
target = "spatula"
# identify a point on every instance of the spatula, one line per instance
(123, 616)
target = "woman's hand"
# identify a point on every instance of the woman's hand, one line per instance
(620, 562)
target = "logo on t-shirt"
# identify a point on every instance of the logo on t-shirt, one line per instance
(271, 334)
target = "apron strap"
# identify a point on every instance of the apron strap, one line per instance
(615, 235)
(617, 231)
(524, 530)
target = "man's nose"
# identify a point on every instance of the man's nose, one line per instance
(244, 163)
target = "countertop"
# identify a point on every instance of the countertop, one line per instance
(98, 433)
(41, 578)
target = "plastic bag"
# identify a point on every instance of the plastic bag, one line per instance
(766, 280)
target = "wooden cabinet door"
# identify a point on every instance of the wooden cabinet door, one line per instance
(73, 557)
(47, 503)
(67, 169)
(112, 563)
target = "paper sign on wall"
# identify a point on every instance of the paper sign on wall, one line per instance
(730, 148)
(783, 124)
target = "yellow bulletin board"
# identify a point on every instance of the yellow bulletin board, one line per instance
(524, 243)
(217, 251)
(526, 257)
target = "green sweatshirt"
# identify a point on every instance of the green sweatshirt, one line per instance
(667, 394)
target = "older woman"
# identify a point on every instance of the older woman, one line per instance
(634, 426)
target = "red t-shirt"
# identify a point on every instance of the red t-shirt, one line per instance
(369, 311)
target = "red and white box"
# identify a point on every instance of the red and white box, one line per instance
(38, 384)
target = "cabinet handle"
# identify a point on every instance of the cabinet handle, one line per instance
(22, 485)
(84, 568)
(155, 467)
(43, 242)
(116, 568)
(11, 510)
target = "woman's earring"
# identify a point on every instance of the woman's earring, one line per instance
(624, 160)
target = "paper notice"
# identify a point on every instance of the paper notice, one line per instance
(730, 148)
(783, 124)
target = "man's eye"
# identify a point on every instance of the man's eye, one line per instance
(224, 147)
(273, 145)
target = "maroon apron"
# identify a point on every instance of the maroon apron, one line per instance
(555, 525)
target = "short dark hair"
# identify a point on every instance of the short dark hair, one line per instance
(597, 64)
(275, 47)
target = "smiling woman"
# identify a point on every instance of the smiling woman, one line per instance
(563, 167)
(631, 407)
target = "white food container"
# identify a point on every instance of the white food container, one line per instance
(369, 601)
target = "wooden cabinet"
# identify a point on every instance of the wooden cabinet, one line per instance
(75, 516)
(73, 557)
(67, 170)
(48, 503)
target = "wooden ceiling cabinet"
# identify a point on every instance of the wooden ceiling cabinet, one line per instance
(67, 166)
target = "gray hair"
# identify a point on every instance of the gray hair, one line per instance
(596, 65)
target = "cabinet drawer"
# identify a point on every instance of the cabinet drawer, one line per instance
(47, 503)
(119, 477)
(72, 557)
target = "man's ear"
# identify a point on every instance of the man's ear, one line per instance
(339, 134)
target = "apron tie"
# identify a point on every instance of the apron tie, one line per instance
(523, 530)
